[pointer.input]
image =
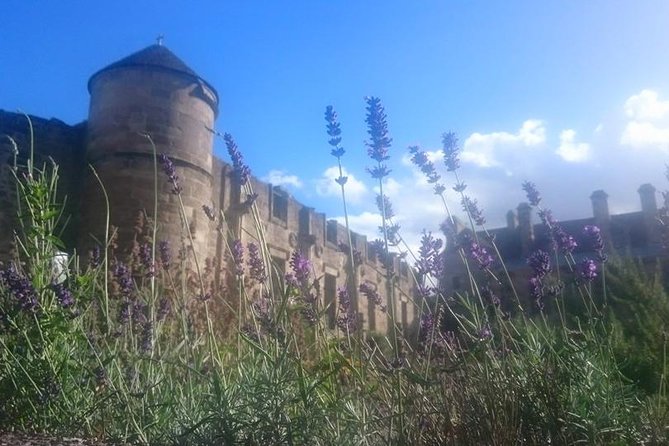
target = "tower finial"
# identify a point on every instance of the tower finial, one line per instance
(159, 39)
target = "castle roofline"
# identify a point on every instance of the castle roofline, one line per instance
(155, 57)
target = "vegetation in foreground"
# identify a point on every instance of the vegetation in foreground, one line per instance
(138, 349)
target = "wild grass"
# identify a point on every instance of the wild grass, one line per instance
(138, 349)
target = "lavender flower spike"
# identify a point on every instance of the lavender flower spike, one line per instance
(170, 171)
(241, 170)
(532, 193)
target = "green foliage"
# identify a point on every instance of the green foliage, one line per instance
(112, 362)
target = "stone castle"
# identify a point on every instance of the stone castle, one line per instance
(633, 235)
(152, 92)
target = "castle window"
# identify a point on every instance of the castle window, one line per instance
(330, 290)
(279, 205)
(331, 231)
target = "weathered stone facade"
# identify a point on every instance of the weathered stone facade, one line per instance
(634, 235)
(153, 93)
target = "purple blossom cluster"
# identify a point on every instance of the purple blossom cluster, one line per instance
(357, 255)
(171, 172)
(19, 287)
(594, 236)
(384, 206)
(240, 169)
(165, 254)
(480, 255)
(540, 263)
(532, 193)
(94, 257)
(587, 270)
(164, 308)
(564, 242)
(540, 266)
(451, 149)
(255, 263)
(372, 295)
(146, 259)
(471, 207)
(146, 337)
(123, 278)
(301, 266)
(63, 295)
(237, 250)
(420, 159)
(430, 259)
(348, 319)
(334, 132)
(377, 128)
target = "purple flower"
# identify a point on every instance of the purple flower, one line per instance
(587, 270)
(372, 296)
(450, 144)
(164, 307)
(146, 337)
(379, 171)
(20, 288)
(123, 279)
(348, 320)
(377, 128)
(240, 169)
(385, 206)
(301, 266)
(540, 263)
(460, 187)
(472, 208)
(479, 254)
(255, 262)
(488, 293)
(485, 333)
(532, 193)
(334, 132)
(420, 159)
(594, 235)
(536, 288)
(429, 256)
(124, 312)
(64, 296)
(94, 257)
(165, 254)
(170, 171)
(237, 249)
(146, 258)
(565, 242)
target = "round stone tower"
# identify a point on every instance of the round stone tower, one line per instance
(149, 92)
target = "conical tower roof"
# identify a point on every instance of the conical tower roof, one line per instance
(154, 57)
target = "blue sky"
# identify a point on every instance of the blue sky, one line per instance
(573, 95)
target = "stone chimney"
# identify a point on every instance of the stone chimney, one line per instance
(525, 228)
(600, 213)
(649, 211)
(511, 220)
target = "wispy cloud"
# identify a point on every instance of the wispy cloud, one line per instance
(326, 185)
(281, 178)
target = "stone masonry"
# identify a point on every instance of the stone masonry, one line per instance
(153, 93)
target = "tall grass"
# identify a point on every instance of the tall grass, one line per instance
(138, 348)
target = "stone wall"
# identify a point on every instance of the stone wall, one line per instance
(53, 140)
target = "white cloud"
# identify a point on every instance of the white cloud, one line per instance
(645, 134)
(649, 124)
(327, 186)
(365, 223)
(646, 106)
(570, 150)
(281, 178)
(497, 148)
